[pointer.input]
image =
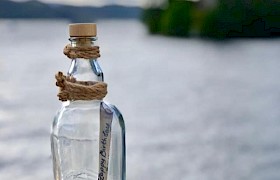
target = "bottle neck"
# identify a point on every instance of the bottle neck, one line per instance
(85, 69)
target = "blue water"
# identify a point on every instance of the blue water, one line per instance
(194, 109)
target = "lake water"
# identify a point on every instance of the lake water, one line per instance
(194, 109)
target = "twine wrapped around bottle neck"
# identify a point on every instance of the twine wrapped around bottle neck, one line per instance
(86, 52)
(70, 88)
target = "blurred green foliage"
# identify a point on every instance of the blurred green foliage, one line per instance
(242, 18)
(152, 17)
(175, 20)
(229, 18)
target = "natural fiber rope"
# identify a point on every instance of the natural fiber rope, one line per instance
(70, 88)
(89, 52)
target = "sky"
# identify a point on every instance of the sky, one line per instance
(141, 3)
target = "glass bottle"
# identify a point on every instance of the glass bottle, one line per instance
(77, 128)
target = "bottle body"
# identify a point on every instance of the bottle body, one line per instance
(75, 141)
(77, 135)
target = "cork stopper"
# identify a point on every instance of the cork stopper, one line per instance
(82, 30)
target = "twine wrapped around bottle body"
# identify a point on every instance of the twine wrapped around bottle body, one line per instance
(70, 89)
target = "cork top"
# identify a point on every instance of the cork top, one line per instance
(82, 30)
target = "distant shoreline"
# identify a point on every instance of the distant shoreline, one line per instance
(38, 10)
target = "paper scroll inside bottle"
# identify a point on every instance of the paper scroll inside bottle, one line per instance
(106, 116)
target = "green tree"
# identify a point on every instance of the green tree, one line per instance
(176, 19)
(152, 18)
(242, 18)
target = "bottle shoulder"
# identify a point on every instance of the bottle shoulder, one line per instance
(77, 106)
(118, 115)
(88, 114)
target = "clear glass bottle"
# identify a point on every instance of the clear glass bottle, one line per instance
(75, 134)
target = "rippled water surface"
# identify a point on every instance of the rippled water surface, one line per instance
(194, 109)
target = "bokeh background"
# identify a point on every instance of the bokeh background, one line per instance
(197, 83)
